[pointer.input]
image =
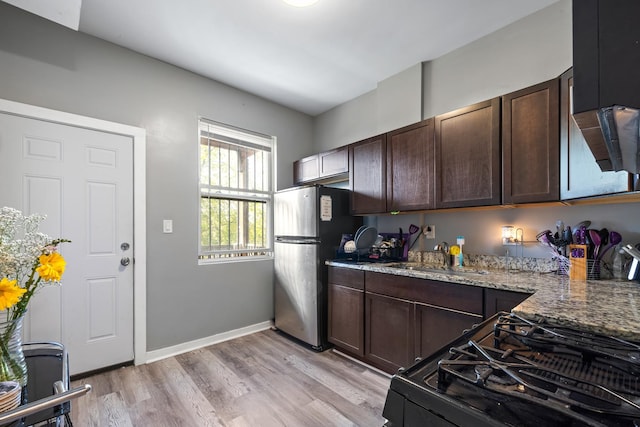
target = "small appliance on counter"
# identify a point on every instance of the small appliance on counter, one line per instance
(308, 224)
(634, 270)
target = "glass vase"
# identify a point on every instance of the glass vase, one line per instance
(13, 366)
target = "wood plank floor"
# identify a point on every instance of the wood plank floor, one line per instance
(263, 379)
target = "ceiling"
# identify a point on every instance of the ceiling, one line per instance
(309, 59)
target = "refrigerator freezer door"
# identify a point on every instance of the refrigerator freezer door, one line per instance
(297, 287)
(296, 212)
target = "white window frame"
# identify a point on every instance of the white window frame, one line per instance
(243, 138)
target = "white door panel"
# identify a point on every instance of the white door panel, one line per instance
(83, 181)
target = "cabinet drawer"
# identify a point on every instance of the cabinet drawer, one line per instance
(442, 294)
(347, 277)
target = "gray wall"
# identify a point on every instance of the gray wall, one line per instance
(532, 50)
(44, 64)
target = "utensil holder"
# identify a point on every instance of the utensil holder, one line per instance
(593, 269)
(580, 267)
(578, 262)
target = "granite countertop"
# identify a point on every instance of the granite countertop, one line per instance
(610, 307)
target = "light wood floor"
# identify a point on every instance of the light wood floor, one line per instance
(259, 380)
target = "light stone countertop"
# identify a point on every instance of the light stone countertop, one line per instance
(610, 307)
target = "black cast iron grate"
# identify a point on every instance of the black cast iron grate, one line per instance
(569, 371)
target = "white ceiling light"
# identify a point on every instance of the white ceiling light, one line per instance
(300, 3)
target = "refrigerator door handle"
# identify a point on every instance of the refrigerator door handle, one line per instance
(297, 240)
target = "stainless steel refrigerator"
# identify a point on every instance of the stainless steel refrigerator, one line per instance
(308, 226)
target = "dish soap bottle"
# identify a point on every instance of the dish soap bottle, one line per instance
(460, 242)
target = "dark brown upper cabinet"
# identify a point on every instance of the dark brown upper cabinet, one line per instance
(368, 175)
(531, 144)
(411, 168)
(306, 170)
(334, 162)
(468, 156)
(322, 167)
(580, 175)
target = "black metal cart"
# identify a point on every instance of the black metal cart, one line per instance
(46, 399)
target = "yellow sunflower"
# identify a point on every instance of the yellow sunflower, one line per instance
(51, 266)
(10, 293)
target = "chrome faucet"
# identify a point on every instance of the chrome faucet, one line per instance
(443, 247)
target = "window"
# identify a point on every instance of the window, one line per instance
(235, 192)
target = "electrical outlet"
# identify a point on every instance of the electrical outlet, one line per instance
(429, 231)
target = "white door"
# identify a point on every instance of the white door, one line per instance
(83, 181)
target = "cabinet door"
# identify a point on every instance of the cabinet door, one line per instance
(437, 326)
(496, 300)
(530, 144)
(411, 168)
(468, 156)
(580, 175)
(346, 309)
(367, 176)
(346, 318)
(389, 332)
(306, 170)
(334, 162)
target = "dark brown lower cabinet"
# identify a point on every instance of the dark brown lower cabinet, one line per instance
(388, 332)
(389, 320)
(437, 326)
(496, 300)
(346, 318)
(346, 309)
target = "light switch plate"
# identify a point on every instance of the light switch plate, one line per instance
(429, 231)
(167, 226)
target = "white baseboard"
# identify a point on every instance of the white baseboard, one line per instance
(163, 353)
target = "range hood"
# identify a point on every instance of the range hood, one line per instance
(606, 85)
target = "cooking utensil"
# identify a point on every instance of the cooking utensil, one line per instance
(576, 228)
(559, 228)
(614, 239)
(594, 236)
(546, 239)
(416, 239)
(584, 224)
(604, 237)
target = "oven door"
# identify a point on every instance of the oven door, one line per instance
(401, 412)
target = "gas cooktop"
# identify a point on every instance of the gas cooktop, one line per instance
(515, 372)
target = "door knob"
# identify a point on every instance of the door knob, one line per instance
(125, 261)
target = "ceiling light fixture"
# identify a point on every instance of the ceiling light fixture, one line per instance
(300, 3)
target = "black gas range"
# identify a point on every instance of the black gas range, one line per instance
(509, 371)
